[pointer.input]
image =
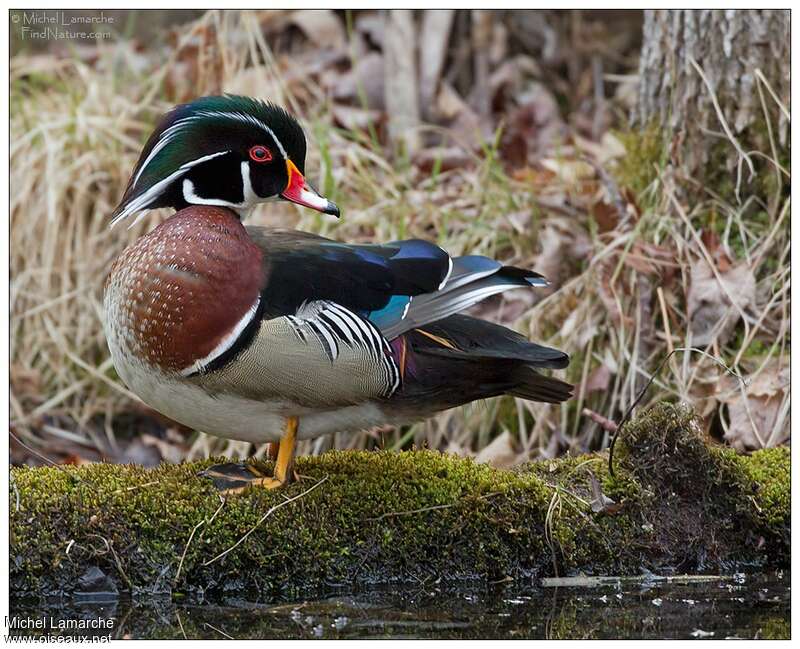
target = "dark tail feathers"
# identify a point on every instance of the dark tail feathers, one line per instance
(536, 387)
(462, 359)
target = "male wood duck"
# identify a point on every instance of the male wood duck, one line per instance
(271, 335)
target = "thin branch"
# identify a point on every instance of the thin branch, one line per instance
(650, 382)
(269, 513)
(604, 423)
(722, 121)
(426, 509)
(191, 536)
(764, 81)
(220, 631)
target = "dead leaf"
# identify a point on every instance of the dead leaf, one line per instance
(364, 83)
(550, 260)
(712, 313)
(533, 128)
(607, 149)
(609, 295)
(570, 172)
(606, 216)
(75, 460)
(754, 420)
(321, 26)
(598, 380)
(500, 452)
(354, 119)
(601, 504)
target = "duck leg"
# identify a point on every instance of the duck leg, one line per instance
(284, 467)
(235, 477)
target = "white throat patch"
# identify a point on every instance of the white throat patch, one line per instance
(249, 197)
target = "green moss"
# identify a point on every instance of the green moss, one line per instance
(777, 628)
(645, 154)
(770, 470)
(410, 516)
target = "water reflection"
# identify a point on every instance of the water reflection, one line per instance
(746, 607)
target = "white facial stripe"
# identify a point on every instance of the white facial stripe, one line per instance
(142, 201)
(173, 131)
(249, 196)
(226, 343)
(247, 119)
(191, 197)
(166, 137)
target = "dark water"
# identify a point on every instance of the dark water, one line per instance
(752, 606)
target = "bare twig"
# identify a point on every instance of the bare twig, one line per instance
(110, 547)
(13, 484)
(220, 631)
(135, 487)
(555, 503)
(426, 509)
(593, 582)
(191, 536)
(269, 513)
(723, 122)
(180, 624)
(605, 423)
(186, 547)
(43, 457)
(649, 383)
(764, 81)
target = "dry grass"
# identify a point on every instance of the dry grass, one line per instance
(622, 295)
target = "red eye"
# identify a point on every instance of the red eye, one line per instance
(260, 153)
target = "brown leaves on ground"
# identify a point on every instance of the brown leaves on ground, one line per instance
(500, 452)
(718, 295)
(758, 414)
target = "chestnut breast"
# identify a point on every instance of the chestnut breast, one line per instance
(174, 295)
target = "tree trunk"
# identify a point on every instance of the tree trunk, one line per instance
(733, 48)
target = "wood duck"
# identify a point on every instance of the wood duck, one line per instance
(272, 335)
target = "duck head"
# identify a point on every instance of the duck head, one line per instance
(229, 151)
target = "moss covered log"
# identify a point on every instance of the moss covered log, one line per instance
(679, 504)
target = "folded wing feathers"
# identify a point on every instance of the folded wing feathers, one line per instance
(472, 279)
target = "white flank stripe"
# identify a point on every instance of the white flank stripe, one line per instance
(226, 342)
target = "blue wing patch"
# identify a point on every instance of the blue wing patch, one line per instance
(392, 313)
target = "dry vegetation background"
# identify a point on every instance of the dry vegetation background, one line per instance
(500, 133)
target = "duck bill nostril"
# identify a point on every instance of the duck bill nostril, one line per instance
(300, 192)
